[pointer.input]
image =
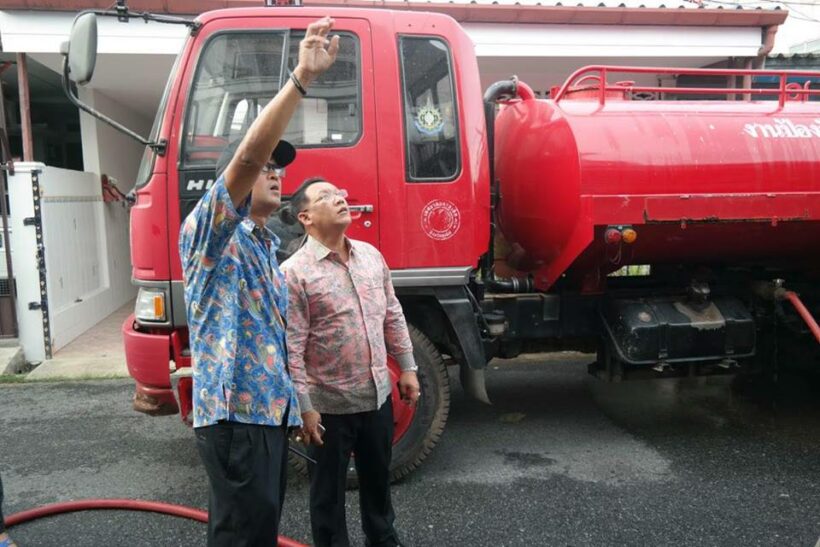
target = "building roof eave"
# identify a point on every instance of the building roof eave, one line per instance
(467, 12)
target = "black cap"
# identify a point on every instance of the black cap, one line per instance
(282, 155)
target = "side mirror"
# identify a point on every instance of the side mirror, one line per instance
(79, 59)
(82, 49)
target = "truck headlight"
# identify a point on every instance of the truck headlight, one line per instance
(150, 305)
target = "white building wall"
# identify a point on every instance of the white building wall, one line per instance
(106, 150)
(607, 41)
(545, 55)
(803, 23)
(44, 31)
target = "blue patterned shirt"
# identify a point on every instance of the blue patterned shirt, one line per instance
(236, 301)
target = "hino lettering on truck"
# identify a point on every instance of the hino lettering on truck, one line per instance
(199, 185)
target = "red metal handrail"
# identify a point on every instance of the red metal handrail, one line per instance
(782, 91)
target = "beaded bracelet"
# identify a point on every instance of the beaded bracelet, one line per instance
(298, 84)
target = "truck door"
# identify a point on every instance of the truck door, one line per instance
(432, 149)
(242, 64)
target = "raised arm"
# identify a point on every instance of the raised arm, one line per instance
(316, 54)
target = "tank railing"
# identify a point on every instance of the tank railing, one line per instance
(785, 90)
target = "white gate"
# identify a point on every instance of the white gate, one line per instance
(62, 234)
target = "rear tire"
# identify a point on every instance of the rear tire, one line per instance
(412, 447)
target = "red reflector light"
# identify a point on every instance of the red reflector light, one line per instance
(612, 235)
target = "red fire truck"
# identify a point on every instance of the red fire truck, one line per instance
(508, 221)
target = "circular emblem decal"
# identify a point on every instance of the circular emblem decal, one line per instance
(440, 219)
(429, 119)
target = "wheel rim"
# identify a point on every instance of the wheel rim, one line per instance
(402, 414)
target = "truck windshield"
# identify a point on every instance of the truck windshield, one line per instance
(239, 72)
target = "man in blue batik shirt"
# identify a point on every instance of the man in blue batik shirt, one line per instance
(236, 300)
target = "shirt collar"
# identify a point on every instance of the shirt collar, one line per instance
(319, 251)
(249, 227)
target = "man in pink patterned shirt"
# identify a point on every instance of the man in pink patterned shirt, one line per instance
(343, 320)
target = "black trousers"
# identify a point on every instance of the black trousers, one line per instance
(2, 522)
(246, 466)
(370, 436)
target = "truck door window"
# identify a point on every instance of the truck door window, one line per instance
(239, 72)
(330, 114)
(430, 125)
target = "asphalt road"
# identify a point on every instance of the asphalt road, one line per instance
(559, 459)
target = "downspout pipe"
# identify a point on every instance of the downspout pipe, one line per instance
(769, 34)
(756, 63)
(24, 92)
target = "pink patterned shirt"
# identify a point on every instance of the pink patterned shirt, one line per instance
(343, 320)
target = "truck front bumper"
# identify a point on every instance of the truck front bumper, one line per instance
(148, 356)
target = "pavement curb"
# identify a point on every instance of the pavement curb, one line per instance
(80, 367)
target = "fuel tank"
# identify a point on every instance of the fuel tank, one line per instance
(725, 181)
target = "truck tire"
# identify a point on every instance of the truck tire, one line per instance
(417, 430)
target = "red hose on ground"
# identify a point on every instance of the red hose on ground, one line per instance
(121, 504)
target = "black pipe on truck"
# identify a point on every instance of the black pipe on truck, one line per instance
(503, 88)
(499, 90)
(511, 285)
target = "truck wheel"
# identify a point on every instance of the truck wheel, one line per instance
(416, 430)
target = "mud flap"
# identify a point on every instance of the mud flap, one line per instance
(472, 381)
(463, 317)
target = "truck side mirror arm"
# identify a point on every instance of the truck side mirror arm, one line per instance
(79, 65)
(158, 146)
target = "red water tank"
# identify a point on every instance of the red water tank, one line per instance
(699, 181)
